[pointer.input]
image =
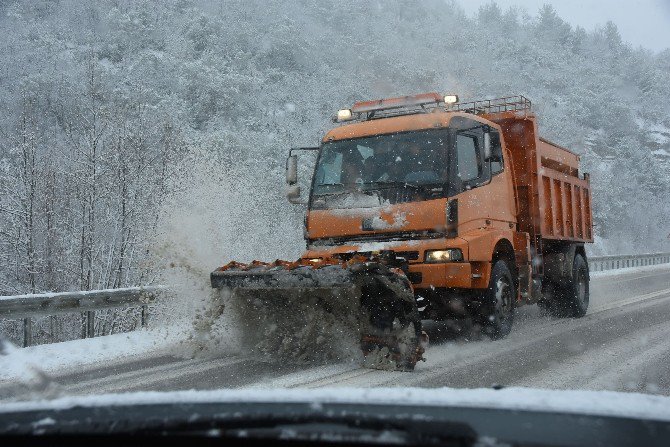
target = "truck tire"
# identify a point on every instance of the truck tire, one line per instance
(574, 297)
(499, 301)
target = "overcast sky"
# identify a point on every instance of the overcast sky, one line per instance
(643, 23)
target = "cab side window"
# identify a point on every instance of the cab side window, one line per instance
(468, 167)
(467, 157)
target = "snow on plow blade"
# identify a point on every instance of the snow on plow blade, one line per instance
(319, 311)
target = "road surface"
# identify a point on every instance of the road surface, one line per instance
(622, 344)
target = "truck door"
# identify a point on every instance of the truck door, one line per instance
(485, 200)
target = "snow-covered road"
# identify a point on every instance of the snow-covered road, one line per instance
(622, 344)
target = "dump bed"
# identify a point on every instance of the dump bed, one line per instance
(554, 199)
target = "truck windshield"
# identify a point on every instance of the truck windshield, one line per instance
(382, 169)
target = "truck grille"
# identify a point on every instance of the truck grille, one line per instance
(407, 255)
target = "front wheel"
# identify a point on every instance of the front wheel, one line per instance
(499, 301)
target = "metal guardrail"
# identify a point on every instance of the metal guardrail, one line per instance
(45, 304)
(602, 263)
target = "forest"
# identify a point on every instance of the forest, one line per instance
(138, 135)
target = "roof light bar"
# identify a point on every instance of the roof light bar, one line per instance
(409, 102)
(450, 99)
(395, 103)
(344, 115)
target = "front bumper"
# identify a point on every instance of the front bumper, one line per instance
(451, 275)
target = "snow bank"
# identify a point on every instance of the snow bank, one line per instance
(603, 403)
(20, 364)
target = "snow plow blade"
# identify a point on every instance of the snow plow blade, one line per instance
(316, 311)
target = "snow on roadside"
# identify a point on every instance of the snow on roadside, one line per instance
(603, 403)
(19, 364)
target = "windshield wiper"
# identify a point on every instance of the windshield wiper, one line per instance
(340, 193)
(416, 186)
(388, 185)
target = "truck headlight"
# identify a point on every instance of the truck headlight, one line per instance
(448, 255)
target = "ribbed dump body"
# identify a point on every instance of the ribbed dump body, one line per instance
(554, 198)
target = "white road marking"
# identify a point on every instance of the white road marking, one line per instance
(155, 374)
(627, 301)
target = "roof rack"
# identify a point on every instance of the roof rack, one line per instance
(506, 104)
(427, 103)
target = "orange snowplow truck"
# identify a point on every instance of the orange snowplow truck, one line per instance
(469, 194)
(421, 207)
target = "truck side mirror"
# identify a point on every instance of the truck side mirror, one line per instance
(293, 195)
(292, 170)
(292, 188)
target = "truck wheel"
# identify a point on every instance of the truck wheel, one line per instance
(499, 302)
(574, 298)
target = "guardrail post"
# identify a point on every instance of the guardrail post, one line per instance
(145, 315)
(90, 323)
(27, 332)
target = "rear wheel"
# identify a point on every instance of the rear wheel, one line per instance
(499, 301)
(574, 297)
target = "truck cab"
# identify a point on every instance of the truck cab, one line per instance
(455, 193)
